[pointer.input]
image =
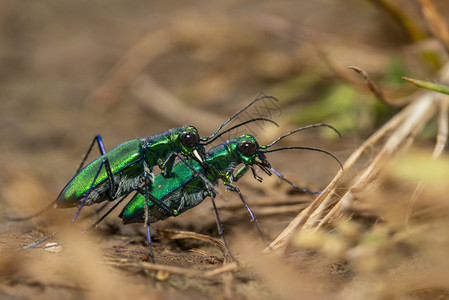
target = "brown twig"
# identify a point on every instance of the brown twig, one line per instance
(369, 87)
(374, 88)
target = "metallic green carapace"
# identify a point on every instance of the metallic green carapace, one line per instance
(169, 191)
(185, 189)
(128, 162)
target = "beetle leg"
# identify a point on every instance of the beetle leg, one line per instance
(239, 173)
(167, 167)
(206, 181)
(112, 186)
(219, 224)
(233, 188)
(168, 210)
(101, 147)
(147, 216)
(106, 214)
(165, 208)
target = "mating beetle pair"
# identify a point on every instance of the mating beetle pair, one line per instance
(191, 184)
(181, 185)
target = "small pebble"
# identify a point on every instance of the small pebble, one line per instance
(53, 247)
(162, 275)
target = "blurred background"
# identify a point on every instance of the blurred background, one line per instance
(129, 69)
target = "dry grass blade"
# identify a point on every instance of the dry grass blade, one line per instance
(415, 196)
(402, 130)
(373, 87)
(418, 114)
(174, 235)
(266, 209)
(436, 23)
(233, 266)
(443, 129)
(201, 252)
(329, 192)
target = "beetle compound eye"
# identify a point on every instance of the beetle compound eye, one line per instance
(247, 148)
(189, 138)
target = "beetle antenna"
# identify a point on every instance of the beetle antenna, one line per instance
(305, 148)
(237, 113)
(301, 129)
(50, 205)
(238, 125)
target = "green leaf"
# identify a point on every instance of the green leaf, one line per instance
(444, 89)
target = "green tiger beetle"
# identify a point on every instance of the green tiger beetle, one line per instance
(191, 183)
(122, 170)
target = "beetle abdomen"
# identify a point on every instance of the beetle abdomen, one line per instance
(127, 166)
